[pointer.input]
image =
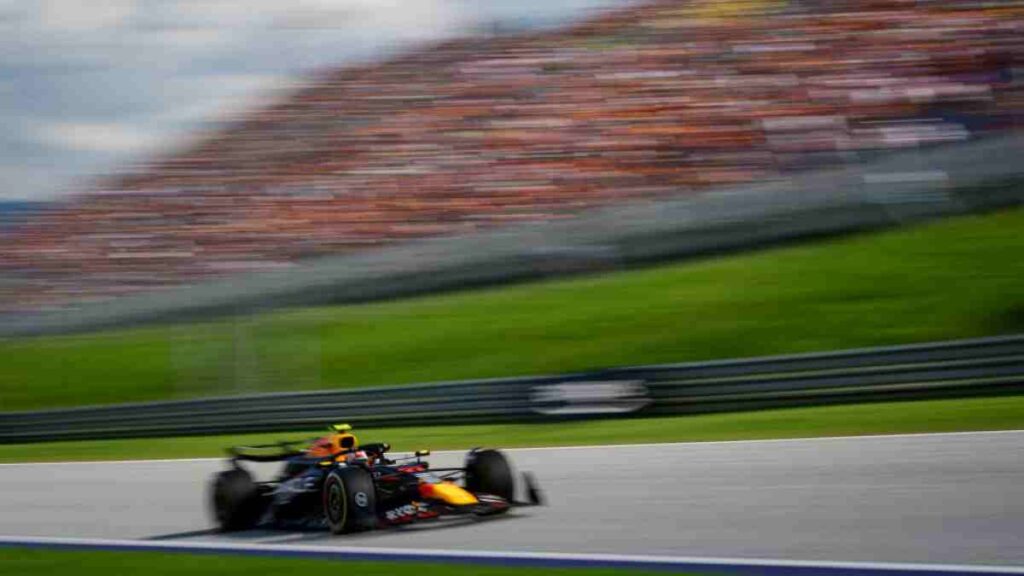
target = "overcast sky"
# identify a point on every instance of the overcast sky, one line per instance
(88, 86)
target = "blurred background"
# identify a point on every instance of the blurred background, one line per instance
(520, 224)
(218, 198)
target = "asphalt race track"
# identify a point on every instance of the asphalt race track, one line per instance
(951, 498)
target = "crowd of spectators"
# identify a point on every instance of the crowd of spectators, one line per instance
(666, 98)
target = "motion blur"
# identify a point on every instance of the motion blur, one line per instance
(735, 284)
(644, 102)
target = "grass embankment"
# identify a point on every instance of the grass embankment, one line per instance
(1002, 413)
(952, 279)
(32, 562)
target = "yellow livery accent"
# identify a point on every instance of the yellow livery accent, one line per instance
(451, 493)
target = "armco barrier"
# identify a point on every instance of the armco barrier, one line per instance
(986, 366)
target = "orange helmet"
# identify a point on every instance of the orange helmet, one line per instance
(340, 441)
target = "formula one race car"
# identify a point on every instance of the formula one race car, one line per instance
(348, 487)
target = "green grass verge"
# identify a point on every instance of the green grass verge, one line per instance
(952, 279)
(999, 413)
(33, 562)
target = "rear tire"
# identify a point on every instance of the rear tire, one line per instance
(236, 500)
(350, 500)
(489, 472)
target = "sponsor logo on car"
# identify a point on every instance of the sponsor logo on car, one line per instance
(400, 513)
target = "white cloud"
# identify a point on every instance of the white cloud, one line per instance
(220, 95)
(408, 17)
(213, 13)
(179, 42)
(255, 14)
(97, 137)
(75, 15)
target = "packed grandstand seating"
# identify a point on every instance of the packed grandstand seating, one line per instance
(662, 99)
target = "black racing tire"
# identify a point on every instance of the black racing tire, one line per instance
(350, 500)
(488, 472)
(236, 501)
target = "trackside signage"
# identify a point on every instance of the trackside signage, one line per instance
(589, 397)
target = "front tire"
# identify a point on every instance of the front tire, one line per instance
(236, 500)
(350, 502)
(488, 472)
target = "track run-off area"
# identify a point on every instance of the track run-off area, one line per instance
(924, 499)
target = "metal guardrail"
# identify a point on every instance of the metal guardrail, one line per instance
(979, 367)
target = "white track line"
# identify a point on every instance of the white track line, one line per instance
(695, 443)
(106, 462)
(484, 555)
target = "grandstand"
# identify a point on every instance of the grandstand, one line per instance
(656, 101)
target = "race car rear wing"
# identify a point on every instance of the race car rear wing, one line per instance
(288, 449)
(258, 452)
